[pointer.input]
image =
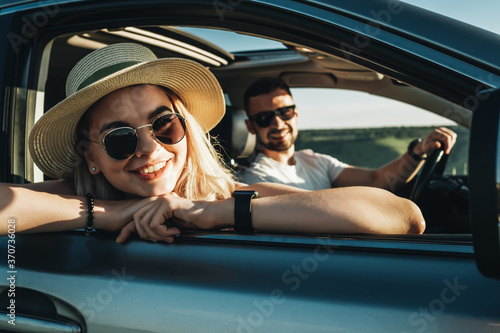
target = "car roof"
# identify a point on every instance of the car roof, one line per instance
(12, 3)
(439, 31)
(328, 71)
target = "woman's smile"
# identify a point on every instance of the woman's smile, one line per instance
(152, 171)
(151, 168)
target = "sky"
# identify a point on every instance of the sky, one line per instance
(363, 109)
(481, 13)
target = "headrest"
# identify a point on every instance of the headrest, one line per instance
(233, 135)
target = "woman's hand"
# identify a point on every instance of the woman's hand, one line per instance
(150, 222)
(161, 217)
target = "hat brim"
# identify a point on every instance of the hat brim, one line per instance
(52, 140)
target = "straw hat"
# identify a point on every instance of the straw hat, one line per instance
(52, 140)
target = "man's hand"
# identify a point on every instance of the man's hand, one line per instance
(441, 135)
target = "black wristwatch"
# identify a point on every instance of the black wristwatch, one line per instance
(412, 145)
(243, 210)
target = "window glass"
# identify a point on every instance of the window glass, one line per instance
(232, 41)
(366, 130)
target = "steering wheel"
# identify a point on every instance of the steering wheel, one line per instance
(431, 162)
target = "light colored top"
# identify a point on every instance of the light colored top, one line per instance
(312, 171)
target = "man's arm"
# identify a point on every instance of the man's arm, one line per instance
(401, 170)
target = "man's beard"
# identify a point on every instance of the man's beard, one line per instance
(280, 145)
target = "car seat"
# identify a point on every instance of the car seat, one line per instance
(232, 139)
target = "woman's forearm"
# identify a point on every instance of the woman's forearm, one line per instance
(39, 211)
(35, 211)
(346, 210)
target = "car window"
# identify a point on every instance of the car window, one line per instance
(366, 130)
(356, 127)
(345, 118)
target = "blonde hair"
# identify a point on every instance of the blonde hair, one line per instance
(204, 177)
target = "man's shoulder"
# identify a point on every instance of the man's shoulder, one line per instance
(309, 153)
(305, 152)
(310, 157)
(262, 169)
(261, 161)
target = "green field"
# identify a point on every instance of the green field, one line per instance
(374, 147)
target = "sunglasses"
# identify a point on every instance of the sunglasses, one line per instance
(264, 119)
(121, 143)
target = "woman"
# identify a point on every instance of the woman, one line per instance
(143, 153)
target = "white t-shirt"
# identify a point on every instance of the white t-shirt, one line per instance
(312, 171)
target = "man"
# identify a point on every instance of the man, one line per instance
(272, 117)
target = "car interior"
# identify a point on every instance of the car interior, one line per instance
(445, 201)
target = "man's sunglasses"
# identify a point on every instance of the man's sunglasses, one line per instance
(121, 143)
(264, 119)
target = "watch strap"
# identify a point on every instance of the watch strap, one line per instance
(411, 146)
(243, 210)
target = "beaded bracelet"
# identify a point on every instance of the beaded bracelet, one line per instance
(90, 216)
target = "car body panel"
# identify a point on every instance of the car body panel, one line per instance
(201, 284)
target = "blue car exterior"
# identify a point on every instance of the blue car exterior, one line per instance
(223, 281)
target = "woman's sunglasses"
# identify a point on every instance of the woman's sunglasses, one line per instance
(121, 143)
(264, 119)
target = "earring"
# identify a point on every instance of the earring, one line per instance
(94, 169)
